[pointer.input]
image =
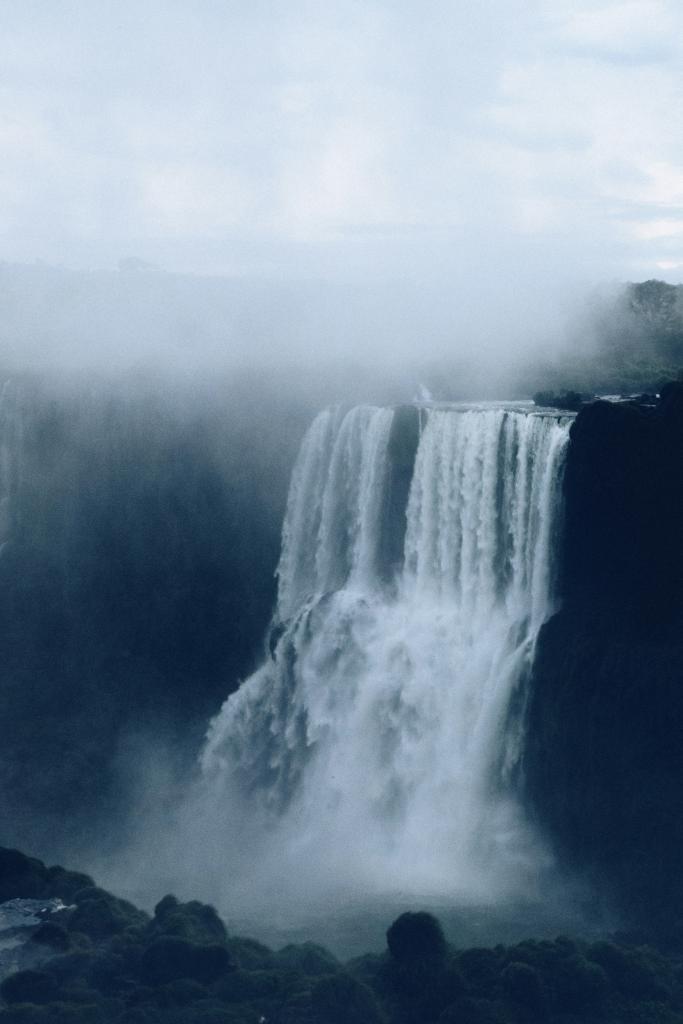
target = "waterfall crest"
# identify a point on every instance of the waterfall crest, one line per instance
(381, 735)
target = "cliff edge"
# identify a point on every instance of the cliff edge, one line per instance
(604, 749)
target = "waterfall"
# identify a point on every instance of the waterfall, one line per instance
(11, 442)
(381, 736)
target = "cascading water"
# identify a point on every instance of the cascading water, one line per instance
(378, 743)
(11, 441)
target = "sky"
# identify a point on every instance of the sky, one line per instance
(344, 139)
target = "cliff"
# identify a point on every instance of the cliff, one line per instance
(604, 754)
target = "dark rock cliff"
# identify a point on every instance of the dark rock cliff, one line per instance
(604, 757)
(403, 442)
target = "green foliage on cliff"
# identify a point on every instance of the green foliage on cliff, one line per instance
(633, 343)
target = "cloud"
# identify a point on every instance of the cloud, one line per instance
(634, 30)
(346, 139)
(659, 229)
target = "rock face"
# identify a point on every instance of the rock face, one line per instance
(624, 507)
(604, 758)
(403, 441)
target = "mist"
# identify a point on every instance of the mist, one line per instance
(317, 342)
(293, 187)
(150, 322)
(219, 220)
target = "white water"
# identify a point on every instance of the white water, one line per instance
(11, 444)
(376, 748)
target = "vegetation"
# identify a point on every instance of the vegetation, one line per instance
(570, 400)
(113, 963)
(637, 344)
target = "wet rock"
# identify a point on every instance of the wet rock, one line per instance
(604, 737)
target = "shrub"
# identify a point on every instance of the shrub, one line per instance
(481, 970)
(340, 999)
(21, 876)
(472, 1011)
(53, 935)
(635, 973)
(577, 983)
(194, 921)
(98, 919)
(167, 959)
(416, 936)
(29, 986)
(522, 984)
(181, 992)
(241, 986)
(308, 958)
(66, 884)
(250, 954)
(70, 966)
